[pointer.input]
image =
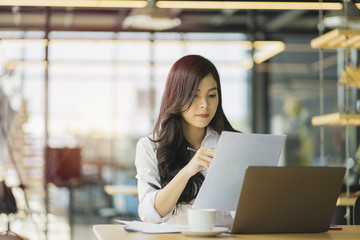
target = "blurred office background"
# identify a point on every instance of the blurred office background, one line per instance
(81, 82)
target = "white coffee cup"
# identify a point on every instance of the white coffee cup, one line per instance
(201, 219)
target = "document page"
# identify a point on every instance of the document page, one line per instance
(137, 226)
(234, 153)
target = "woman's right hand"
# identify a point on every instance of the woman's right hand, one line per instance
(201, 159)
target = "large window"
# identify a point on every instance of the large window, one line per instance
(105, 88)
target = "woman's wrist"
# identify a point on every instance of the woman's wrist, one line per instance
(185, 174)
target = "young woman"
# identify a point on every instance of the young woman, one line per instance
(191, 115)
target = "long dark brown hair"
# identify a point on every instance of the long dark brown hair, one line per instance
(184, 76)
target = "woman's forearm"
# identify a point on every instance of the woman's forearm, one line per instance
(167, 197)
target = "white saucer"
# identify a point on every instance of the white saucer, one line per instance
(189, 232)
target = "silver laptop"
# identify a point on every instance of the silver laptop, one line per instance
(287, 199)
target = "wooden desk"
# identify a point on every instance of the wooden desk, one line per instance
(121, 189)
(116, 232)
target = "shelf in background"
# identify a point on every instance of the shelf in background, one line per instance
(351, 75)
(343, 200)
(336, 39)
(121, 189)
(340, 119)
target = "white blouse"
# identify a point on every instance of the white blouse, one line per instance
(147, 172)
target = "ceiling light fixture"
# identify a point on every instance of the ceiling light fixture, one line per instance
(76, 3)
(151, 19)
(264, 5)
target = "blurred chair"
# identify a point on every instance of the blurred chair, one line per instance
(356, 211)
(63, 168)
(8, 206)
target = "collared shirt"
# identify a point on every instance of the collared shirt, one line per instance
(147, 172)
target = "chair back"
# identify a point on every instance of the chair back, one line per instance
(7, 199)
(63, 166)
(356, 211)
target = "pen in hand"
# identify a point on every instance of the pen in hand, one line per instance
(194, 150)
(191, 149)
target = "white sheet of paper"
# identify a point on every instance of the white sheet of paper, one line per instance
(145, 227)
(234, 153)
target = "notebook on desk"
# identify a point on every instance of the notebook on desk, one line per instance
(287, 199)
